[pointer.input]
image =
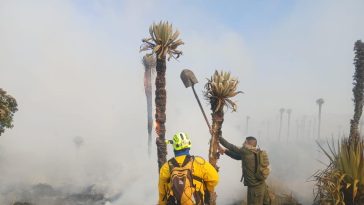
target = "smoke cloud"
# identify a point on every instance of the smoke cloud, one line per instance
(75, 70)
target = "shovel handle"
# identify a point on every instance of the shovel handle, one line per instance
(202, 110)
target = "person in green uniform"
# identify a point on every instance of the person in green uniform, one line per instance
(253, 176)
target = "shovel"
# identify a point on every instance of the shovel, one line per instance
(189, 80)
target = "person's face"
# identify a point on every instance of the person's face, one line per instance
(251, 142)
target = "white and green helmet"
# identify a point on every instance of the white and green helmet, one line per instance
(181, 141)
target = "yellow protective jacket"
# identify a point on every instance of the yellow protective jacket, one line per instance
(201, 168)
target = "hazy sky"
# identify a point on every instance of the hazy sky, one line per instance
(75, 69)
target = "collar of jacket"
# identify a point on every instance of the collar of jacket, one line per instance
(182, 152)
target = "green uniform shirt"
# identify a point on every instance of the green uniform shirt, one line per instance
(249, 162)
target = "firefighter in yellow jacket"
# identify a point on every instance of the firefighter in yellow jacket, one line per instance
(186, 179)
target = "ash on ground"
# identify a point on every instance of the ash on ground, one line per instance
(45, 194)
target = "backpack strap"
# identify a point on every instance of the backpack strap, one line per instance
(186, 161)
(197, 178)
(256, 157)
(172, 163)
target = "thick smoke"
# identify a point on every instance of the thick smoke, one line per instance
(75, 70)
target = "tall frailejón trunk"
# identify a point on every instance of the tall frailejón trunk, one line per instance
(288, 122)
(162, 42)
(160, 114)
(149, 96)
(217, 120)
(357, 91)
(219, 89)
(319, 122)
(314, 128)
(354, 137)
(297, 129)
(280, 123)
(309, 128)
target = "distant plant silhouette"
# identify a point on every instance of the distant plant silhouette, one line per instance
(319, 102)
(78, 141)
(289, 111)
(281, 111)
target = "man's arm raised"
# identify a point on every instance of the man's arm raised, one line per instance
(229, 146)
(233, 155)
(229, 153)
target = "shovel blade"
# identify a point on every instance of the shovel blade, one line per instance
(188, 78)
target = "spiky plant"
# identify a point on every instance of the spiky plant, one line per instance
(8, 106)
(163, 42)
(329, 181)
(328, 186)
(319, 102)
(281, 111)
(358, 90)
(219, 90)
(149, 67)
(351, 163)
(343, 180)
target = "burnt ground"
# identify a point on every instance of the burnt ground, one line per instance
(45, 194)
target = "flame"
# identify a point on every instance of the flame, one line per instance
(155, 124)
(156, 128)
